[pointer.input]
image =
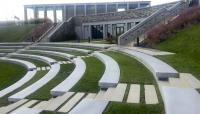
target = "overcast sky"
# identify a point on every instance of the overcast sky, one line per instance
(11, 8)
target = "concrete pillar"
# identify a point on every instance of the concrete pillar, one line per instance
(125, 27)
(138, 4)
(45, 12)
(106, 7)
(85, 9)
(25, 14)
(127, 6)
(104, 31)
(35, 11)
(54, 15)
(95, 9)
(74, 10)
(117, 6)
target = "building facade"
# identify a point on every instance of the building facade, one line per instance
(81, 9)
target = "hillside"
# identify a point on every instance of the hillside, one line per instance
(13, 33)
(186, 45)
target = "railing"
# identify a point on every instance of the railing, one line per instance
(149, 22)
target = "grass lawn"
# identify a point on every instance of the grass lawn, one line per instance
(10, 73)
(131, 72)
(36, 62)
(13, 33)
(4, 100)
(186, 46)
(44, 92)
(89, 82)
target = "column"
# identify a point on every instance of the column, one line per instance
(74, 10)
(95, 9)
(85, 9)
(106, 7)
(125, 27)
(25, 14)
(54, 15)
(127, 6)
(138, 4)
(64, 13)
(35, 12)
(117, 6)
(45, 12)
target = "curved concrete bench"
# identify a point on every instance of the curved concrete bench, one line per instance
(38, 57)
(90, 106)
(62, 48)
(7, 50)
(55, 68)
(28, 76)
(111, 75)
(2, 54)
(80, 45)
(64, 55)
(72, 79)
(15, 44)
(161, 70)
(25, 110)
(11, 47)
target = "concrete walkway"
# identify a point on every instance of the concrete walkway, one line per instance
(134, 94)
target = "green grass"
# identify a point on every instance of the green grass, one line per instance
(125, 108)
(39, 75)
(186, 46)
(44, 92)
(13, 33)
(89, 82)
(131, 71)
(10, 73)
(36, 62)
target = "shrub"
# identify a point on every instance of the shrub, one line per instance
(161, 32)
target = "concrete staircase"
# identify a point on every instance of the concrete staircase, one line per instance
(162, 15)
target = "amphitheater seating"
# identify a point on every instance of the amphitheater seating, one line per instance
(40, 58)
(72, 79)
(15, 44)
(80, 45)
(111, 75)
(37, 85)
(28, 76)
(11, 47)
(161, 70)
(89, 106)
(7, 50)
(64, 55)
(61, 48)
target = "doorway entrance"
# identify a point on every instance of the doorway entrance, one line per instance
(97, 31)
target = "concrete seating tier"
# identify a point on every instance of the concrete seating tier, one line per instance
(2, 54)
(161, 70)
(11, 47)
(11, 107)
(25, 110)
(181, 100)
(111, 75)
(89, 106)
(81, 45)
(15, 44)
(64, 55)
(72, 79)
(38, 57)
(55, 68)
(61, 48)
(28, 76)
(7, 50)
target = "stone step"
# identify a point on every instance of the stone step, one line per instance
(42, 105)
(119, 92)
(150, 94)
(91, 95)
(134, 94)
(30, 103)
(194, 82)
(25, 110)
(71, 103)
(57, 102)
(100, 94)
(11, 107)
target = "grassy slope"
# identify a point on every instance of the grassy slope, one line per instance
(13, 33)
(44, 92)
(186, 46)
(133, 72)
(10, 73)
(94, 70)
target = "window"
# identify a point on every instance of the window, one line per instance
(133, 6)
(90, 9)
(101, 9)
(111, 8)
(80, 10)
